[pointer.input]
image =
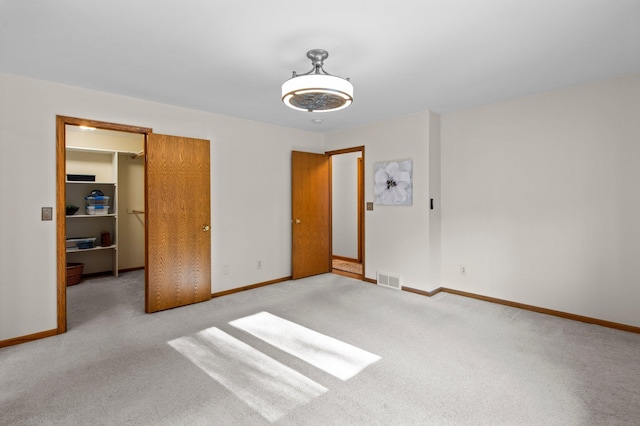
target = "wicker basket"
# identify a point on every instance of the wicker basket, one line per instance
(74, 273)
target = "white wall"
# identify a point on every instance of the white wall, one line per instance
(103, 139)
(344, 204)
(397, 237)
(435, 214)
(541, 197)
(130, 225)
(250, 185)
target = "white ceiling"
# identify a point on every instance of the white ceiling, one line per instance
(403, 56)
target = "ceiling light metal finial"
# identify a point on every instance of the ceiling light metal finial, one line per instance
(317, 90)
(317, 57)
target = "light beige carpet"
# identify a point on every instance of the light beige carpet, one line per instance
(445, 360)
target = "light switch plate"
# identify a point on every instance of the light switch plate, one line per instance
(369, 206)
(47, 213)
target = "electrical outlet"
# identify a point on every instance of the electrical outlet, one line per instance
(259, 265)
(463, 270)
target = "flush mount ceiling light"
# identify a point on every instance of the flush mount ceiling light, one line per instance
(317, 90)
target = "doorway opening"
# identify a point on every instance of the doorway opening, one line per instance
(91, 157)
(177, 242)
(347, 211)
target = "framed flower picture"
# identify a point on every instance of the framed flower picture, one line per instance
(392, 183)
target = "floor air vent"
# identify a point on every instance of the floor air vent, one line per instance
(388, 280)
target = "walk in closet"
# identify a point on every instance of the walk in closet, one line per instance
(104, 199)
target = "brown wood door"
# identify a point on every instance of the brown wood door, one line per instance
(177, 213)
(311, 220)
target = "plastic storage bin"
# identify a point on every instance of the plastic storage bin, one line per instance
(97, 210)
(98, 200)
(81, 243)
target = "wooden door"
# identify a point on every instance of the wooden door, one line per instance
(177, 212)
(310, 209)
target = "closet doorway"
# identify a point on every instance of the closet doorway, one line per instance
(187, 161)
(104, 200)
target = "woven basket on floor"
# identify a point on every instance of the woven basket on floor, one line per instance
(74, 273)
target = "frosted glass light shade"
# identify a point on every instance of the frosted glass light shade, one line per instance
(317, 93)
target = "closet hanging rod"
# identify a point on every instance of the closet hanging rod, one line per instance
(140, 154)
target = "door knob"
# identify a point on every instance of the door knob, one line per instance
(205, 228)
(297, 221)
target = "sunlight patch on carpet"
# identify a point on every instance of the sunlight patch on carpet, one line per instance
(267, 386)
(337, 358)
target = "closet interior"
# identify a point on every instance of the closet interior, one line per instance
(104, 202)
